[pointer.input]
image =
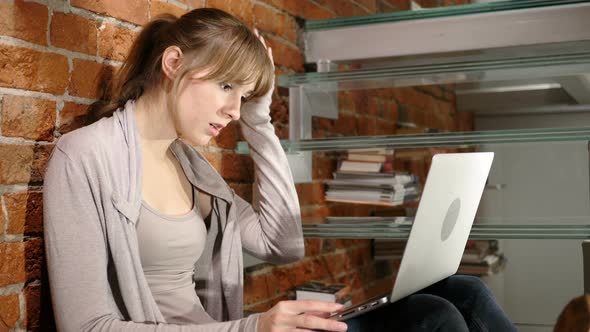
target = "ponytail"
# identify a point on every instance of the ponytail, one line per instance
(139, 71)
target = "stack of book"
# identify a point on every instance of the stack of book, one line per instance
(316, 290)
(481, 258)
(366, 177)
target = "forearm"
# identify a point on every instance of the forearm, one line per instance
(277, 231)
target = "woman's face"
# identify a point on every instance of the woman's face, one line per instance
(204, 108)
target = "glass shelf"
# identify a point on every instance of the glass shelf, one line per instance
(475, 70)
(478, 232)
(434, 13)
(452, 139)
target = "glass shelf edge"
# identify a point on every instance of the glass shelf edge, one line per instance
(469, 9)
(433, 140)
(462, 71)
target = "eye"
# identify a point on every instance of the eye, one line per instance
(226, 86)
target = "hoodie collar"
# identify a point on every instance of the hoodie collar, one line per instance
(199, 171)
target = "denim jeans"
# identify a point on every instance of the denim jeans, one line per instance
(458, 303)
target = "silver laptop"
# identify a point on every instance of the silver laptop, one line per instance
(441, 227)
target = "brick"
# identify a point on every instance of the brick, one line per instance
(347, 9)
(255, 289)
(9, 311)
(360, 256)
(74, 33)
(24, 68)
(323, 167)
(428, 3)
(114, 42)
(310, 193)
(12, 263)
(260, 307)
(33, 302)
(286, 55)
(158, 7)
(398, 4)
(385, 127)
(319, 123)
(352, 279)
(213, 158)
(319, 268)
(290, 276)
(345, 101)
(239, 8)
(314, 214)
(366, 126)
(2, 220)
(312, 247)
(337, 263)
(89, 78)
(244, 190)
(345, 125)
(15, 163)
(311, 11)
(350, 210)
(41, 155)
(228, 137)
(25, 212)
(369, 5)
(279, 112)
(72, 116)
(31, 118)
(237, 167)
(464, 121)
(282, 132)
(269, 20)
(130, 11)
(331, 245)
(24, 20)
(33, 258)
(193, 3)
(292, 7)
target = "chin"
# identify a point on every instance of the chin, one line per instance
(197, 141)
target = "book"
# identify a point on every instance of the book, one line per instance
(360, 166)
(489, 265)
(366, 157)
(315, 290)
(370, 220)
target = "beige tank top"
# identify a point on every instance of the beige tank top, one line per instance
(169, 247)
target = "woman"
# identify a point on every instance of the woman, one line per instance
(141, 232)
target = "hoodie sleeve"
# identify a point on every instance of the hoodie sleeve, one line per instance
(77, 258)
(271, 227)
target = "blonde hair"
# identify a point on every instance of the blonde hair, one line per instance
(209, 39)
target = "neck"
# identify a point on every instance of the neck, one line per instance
(155, 123)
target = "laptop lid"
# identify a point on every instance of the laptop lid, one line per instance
(443, 221)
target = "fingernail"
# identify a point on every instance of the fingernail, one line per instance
(342, 326)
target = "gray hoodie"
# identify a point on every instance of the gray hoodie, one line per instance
(92, 197)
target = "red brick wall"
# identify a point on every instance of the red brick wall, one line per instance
(54, 60)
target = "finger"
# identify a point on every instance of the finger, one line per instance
(256, 32)
(317, 323)
(301, 306)
(319, 314)
(270, 55)
(263, 41)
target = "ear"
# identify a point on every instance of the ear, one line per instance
(171, 60)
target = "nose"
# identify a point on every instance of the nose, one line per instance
(233, 108)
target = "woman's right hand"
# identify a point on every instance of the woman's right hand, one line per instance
(301, 315)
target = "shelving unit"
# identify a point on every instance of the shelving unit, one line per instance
(491, 43)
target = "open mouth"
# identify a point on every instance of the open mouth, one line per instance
(215, 128)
